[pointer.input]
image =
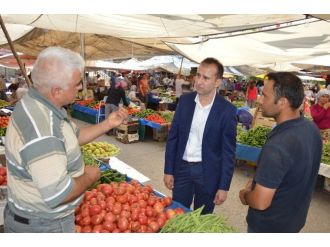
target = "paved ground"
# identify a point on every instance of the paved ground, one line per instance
(148, 158)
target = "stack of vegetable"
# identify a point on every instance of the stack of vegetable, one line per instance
(167, 115)
(100, 149)
(194, 222)
(3, 175)
(144, 113)
(91, 103)
(156, 118)
(238, 104)
(123, 207)
(84, 102)
(254, 137)
(112, 175)
(4, 121)
(326, 153)
(4, 103)
(132, 110)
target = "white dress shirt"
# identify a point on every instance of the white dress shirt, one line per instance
(193, 152)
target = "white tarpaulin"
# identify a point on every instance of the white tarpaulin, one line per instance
(142, 36)
(150, 25)
(283, 45)
(167, 63)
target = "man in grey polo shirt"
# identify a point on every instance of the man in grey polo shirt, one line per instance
(46, 173)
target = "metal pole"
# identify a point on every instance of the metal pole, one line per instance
(179, 73)
(82, 52)
(14, 52)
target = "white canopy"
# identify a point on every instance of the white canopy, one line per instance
(147, 26)
(235, 40)
(283, 45)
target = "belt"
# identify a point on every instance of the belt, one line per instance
(192, 162)
(21, 219)
(18, 218)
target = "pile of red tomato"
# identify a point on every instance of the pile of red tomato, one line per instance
(155, 118)
(123, 207)
(3, 175)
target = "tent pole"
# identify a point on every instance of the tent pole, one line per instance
(82, 53)
(14, 52)
(179, 73)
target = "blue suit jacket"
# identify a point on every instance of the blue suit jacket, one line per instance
(218, 145)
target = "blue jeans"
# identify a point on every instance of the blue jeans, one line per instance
(14, 224)
(189, 186)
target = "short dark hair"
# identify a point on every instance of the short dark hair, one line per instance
(211, 60)
(289, 86)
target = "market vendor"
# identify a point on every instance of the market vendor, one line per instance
(321, 113)
(46, 174)
(115, 95)
(132, 95)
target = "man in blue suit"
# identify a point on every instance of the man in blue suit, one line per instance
(200, 150)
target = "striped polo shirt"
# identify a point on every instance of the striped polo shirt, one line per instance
(43, 155)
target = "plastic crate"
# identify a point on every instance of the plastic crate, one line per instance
(149, 123)
(245, 152)
(84, 117)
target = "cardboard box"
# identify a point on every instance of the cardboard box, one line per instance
(259, 120)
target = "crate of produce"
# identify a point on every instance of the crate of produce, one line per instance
(121, 204)
(161, 134)
(259, 120)
(84, 117)
(162, 106)
(126, 138)
(246, 152)
(129, 127)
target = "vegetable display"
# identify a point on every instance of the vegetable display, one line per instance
(4, 120)
(144, 113)
(4, 103)
(167, 116)
(326, 153)
(155, 118)
(100, 149)
(91, 104)
(194, 222)
(112, 175)
(123, 207)
(132, 110)
(3, 175)
(238, 104)
(3, 131)
(254, 137)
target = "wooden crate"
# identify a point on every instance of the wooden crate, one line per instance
(160, 134)
(259, 120)
(162, 106)
(129, 128)
(126, 138)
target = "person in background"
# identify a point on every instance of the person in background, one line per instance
(3, 88)
(251, 94)
(144, 88)
(16, 93)
(115, 95)
(47, 177)
(281, 191)
(223, 87)
(321, 113)
(200, 149)
(238, 86)
(179, 82)
(132, 95)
